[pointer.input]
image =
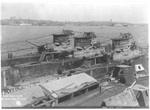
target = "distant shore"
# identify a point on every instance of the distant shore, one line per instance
(30, 22)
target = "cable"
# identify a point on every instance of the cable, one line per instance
(30, 39)
(25, 40)
(22, 49)
(18, 50)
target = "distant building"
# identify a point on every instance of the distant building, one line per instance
(125, 25)
(12, 18)
(25, 24)
(118, 25)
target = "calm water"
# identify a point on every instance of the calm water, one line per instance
(18, 33)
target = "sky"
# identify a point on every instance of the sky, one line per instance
(132, 12)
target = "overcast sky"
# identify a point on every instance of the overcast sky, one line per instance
(78, 11)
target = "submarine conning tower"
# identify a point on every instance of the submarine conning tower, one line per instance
(85, 40)
(123, 42)
(63, 37)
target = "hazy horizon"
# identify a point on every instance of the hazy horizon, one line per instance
(78, 11)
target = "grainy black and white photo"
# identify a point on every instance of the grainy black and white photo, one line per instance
(74, 55)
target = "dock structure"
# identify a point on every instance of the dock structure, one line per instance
(78, 71)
